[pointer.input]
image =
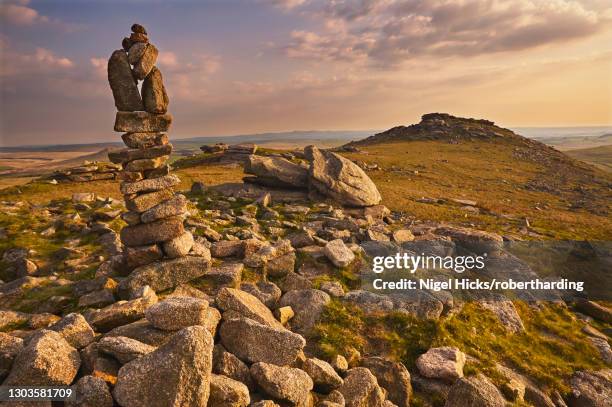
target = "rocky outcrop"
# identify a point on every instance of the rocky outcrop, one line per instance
(325, 173)
(276, 172)
(339, 178)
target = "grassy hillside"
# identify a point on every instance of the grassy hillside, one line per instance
(570, 202)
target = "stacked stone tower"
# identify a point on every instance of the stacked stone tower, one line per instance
(155, 214)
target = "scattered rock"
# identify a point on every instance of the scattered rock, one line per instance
(444, 363)
(360, 389)
(124, 349)
(75, 330)
(254, 342)
(307, 306)
(276, 172)
(322, 374)
(47, 360)
(337, 252)
(91, 391)
(283, 383)
(226, 392)
(227, 364)
(393, 377)
(475, 391)
(591, 388)
(165, 274)
(245, 304)
(178, 312)
(176, 374)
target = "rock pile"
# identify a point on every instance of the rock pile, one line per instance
(155, 213)
(89, 171)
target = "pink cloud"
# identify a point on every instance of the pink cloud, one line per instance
(18, 13)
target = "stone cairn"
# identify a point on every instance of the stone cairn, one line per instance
(155, 214)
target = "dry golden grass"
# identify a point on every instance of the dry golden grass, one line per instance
(489, 174)
(42, 192)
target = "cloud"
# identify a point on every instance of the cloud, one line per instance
(286, 4)
(100, 66)
(41, 61)
(390, 32)
(19, 13)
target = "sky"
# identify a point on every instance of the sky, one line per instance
(240, 67)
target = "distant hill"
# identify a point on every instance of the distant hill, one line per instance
(600, 157)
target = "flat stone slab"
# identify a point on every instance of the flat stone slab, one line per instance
(142, 122)
(130, 154)
(148, 233)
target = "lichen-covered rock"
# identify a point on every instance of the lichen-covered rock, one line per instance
(178, 312)
(393, 377)
(174, 206)
(144, 202)
(142, 122)
(149, 185)
(141, 255)
(337, 252)
(265, 291)
(75, 329)
(322, 374)
(154, 94)
(165, 274)
(307, 306)
(475, 391)
(122, 83)
(146, 62)
(445, 363)
(341, 179)
(591, 388)
(143, 331)
(123, 349)
(226, 392)
(276, 172)
(176, 374)
(283, 383)
(179, 246)
(144, 140)
(10, 346)
(230, 299)
(254, 342)
(227, 364)
(47, 360)
(120, 313)
(125, 155)
(149, 233)
(91, 391)
(360, 389)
